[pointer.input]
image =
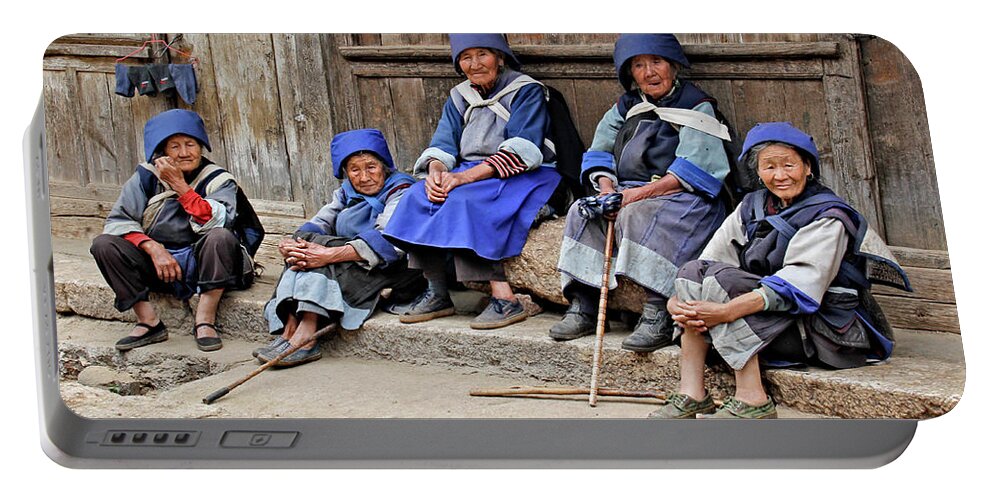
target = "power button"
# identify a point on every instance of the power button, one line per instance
(258, 439)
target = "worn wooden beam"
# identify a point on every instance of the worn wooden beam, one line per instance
(116, 51)
(133, 39)
(602, 52)
(104, 194)
(918, 314)
(916, 257)
(741, 70)
(91, 192)
(929, 284)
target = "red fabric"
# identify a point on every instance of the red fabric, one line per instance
(136, 238)
(506, 164)
(197, 207)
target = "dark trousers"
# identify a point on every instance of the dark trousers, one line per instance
(131, 274)
(468, 265)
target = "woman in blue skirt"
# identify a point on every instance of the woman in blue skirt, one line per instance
(485, 176)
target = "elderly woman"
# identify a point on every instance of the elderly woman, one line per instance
(661, 147)
(784, 279)
(338, 263)
(171, 231)
(487, 173)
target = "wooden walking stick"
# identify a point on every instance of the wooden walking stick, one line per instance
(601, 318)
(523, 391)
(220, 393)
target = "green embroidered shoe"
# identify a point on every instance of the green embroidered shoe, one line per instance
(733, 408)
(682, 406)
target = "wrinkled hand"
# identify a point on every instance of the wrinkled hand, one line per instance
(166, 267)
(685, 316)
(710, 313)
(433, 183)
(288, 244)
(172, 175)
(450, 181)
(698, 315)
(308, 255)
(312, 256)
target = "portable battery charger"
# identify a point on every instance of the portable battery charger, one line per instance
(392, 394)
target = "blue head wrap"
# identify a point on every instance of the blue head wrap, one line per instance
(785, 133)
(346, 144)
(169, 123)
(628, 46)
(494, 41)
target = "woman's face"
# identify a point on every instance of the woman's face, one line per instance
(184, 151)
(783, 171)
(481, 66)
(366, 173)
(653, 74)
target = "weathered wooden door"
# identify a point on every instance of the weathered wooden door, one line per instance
(272, 103)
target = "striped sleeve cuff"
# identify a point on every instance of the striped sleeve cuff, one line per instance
(506, 164)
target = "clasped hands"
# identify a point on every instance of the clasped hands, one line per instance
(440, 182)
(301, 254)
(697, 315)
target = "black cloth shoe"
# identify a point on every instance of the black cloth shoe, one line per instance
(653, 331)
(207, 344)
(152, 335)
(574, 324)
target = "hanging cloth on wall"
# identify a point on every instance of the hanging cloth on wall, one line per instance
(152, 79)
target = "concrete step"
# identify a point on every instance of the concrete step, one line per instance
(923, 379)
(336, 386)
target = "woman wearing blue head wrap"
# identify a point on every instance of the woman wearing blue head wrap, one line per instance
(171, 230)
(661, 147)
(487, 174)
(787, 279)
(338, 263)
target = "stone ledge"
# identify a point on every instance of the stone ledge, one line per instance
(924, 378)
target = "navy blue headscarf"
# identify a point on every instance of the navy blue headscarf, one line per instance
(493, 41)
(785, 133)
(627, 46)
(169, 123)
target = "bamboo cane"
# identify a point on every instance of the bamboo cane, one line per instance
(519, 390)
(601, 319)
(220, 393)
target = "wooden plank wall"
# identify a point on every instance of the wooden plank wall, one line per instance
(901, 143)
(271, 103)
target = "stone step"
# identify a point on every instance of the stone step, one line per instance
(923, 379)
(336, 386)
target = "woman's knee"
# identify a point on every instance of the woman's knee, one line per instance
(105, 247)
(220, 238)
